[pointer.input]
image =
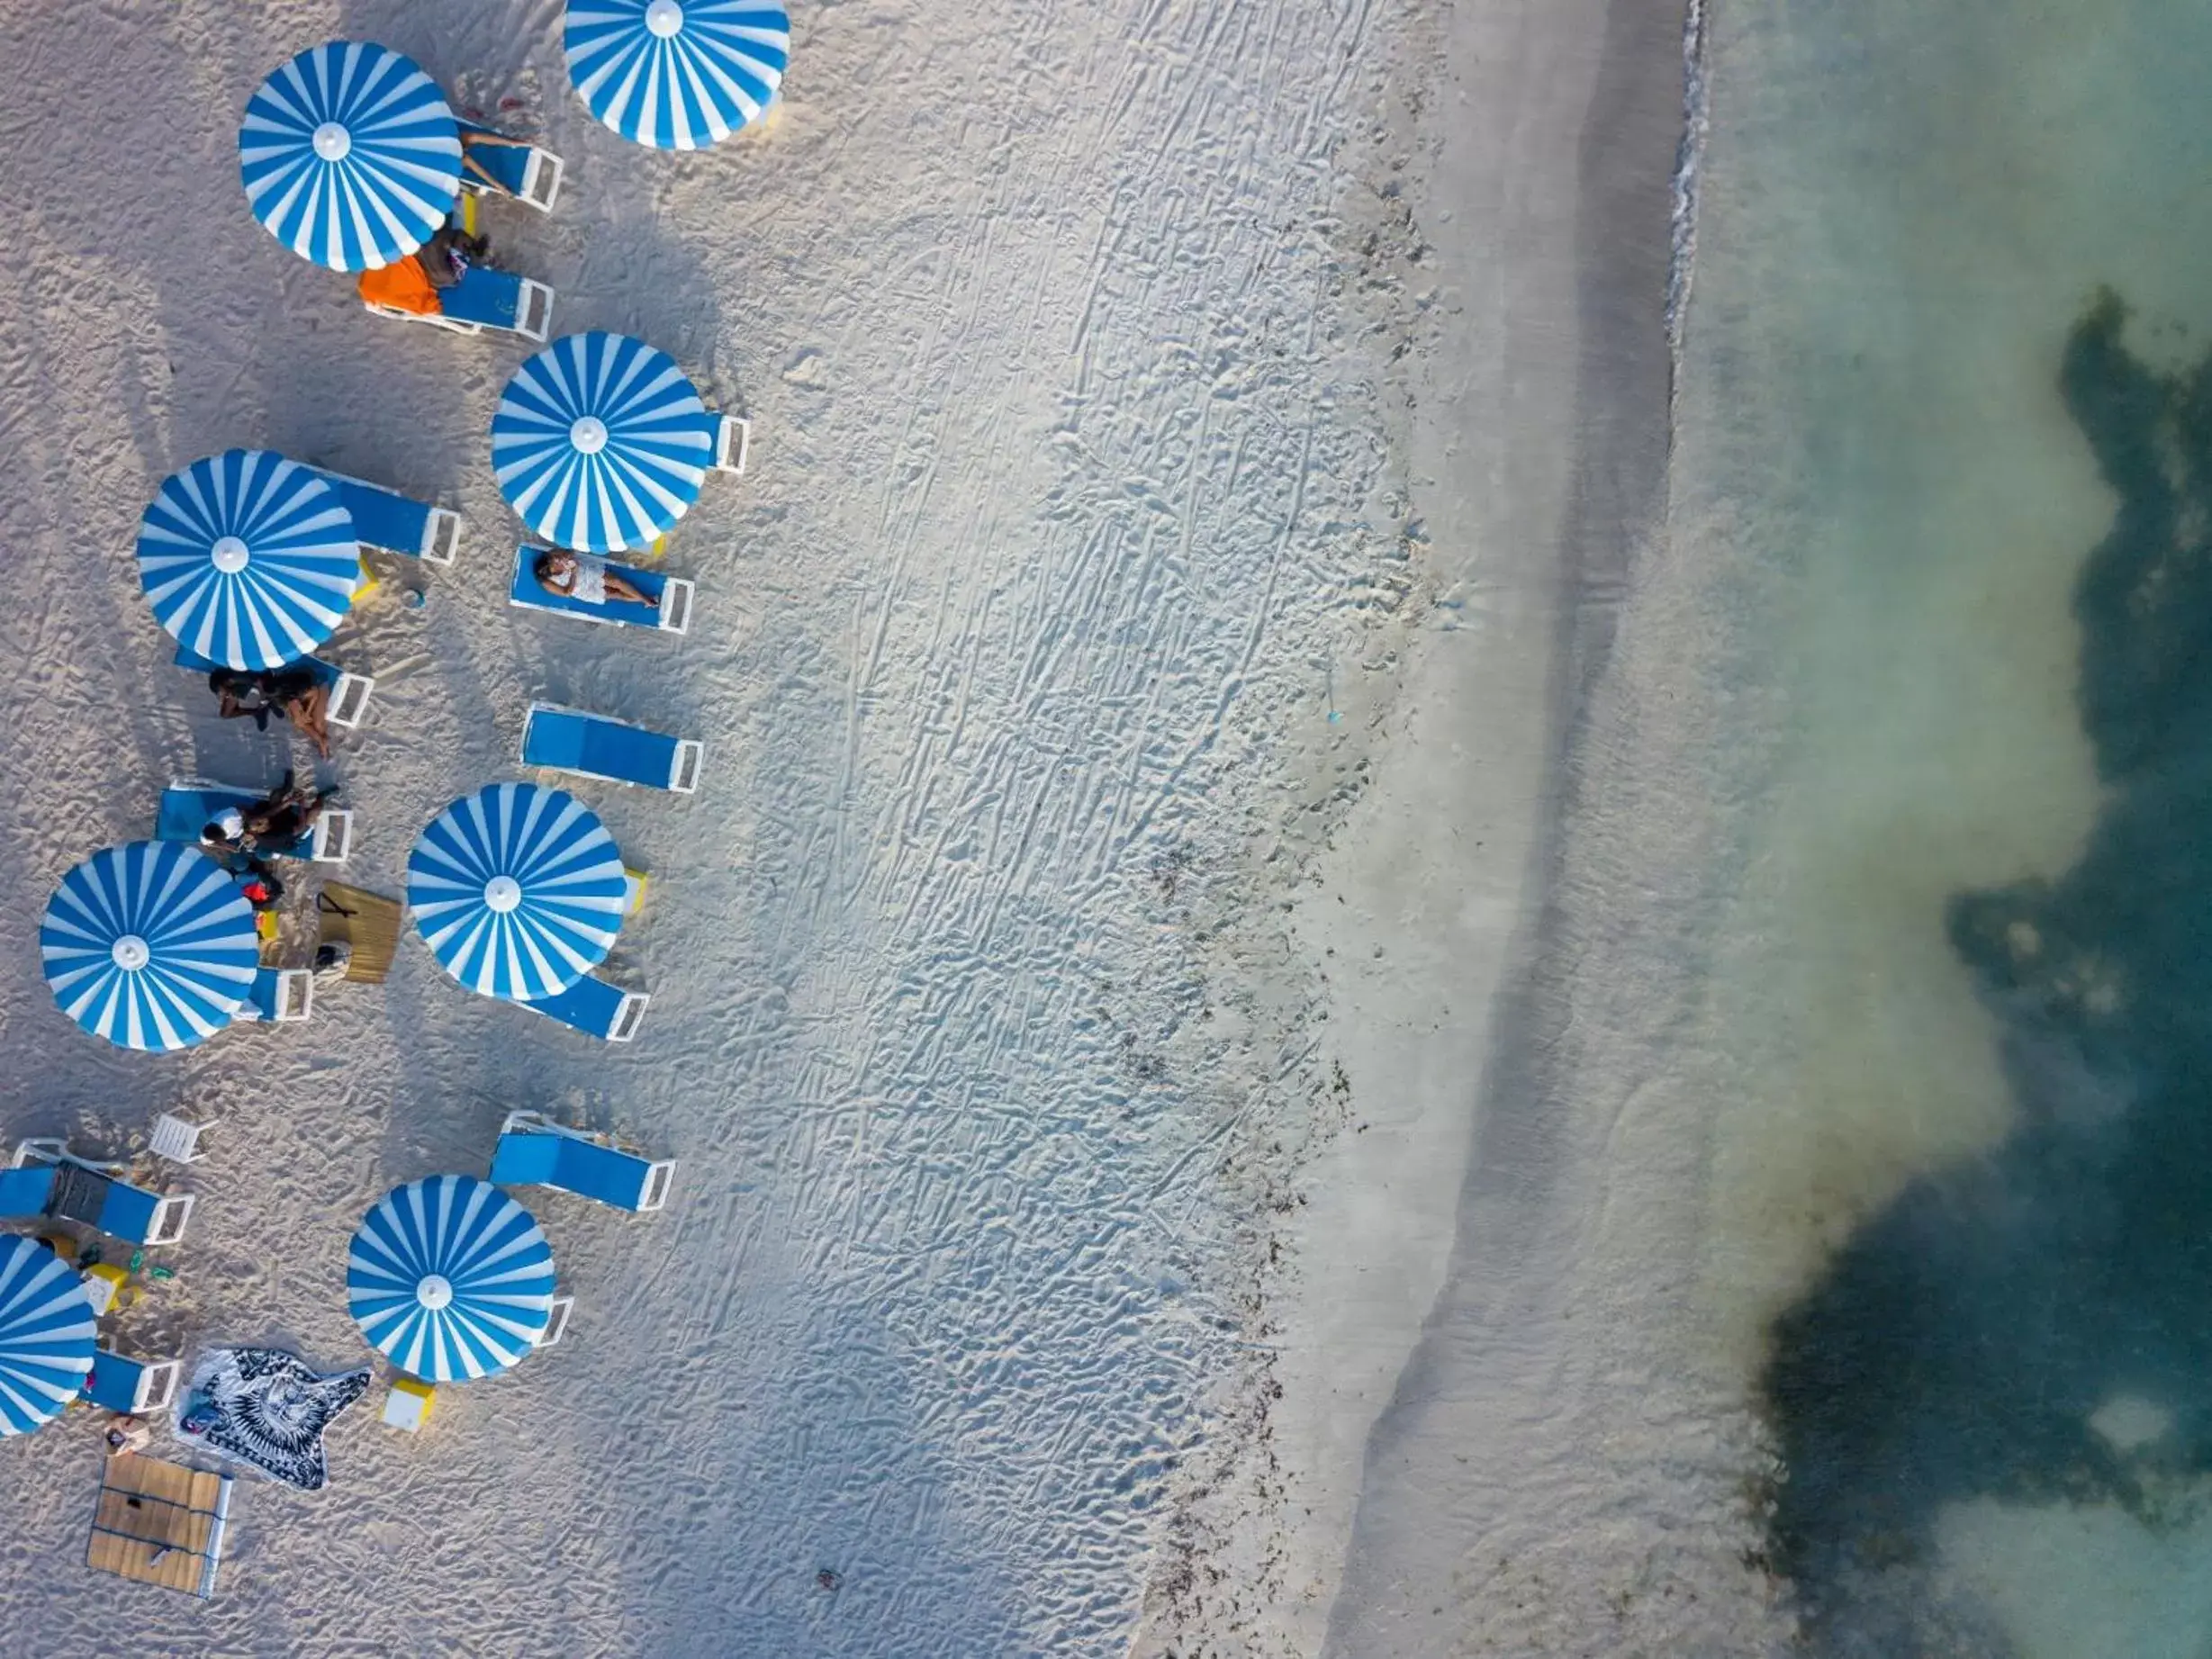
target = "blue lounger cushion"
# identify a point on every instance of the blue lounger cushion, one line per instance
(25, 1193)
(670, 596)
(127, 1212)
(568, 740)
(114, 1383)
(595, 1007)
(547, 1158)
(498, 300)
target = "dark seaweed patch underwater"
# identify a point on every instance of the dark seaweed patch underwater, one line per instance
(1958, 1346)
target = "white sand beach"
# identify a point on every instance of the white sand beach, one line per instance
(1132, 676)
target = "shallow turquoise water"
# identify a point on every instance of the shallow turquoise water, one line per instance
(1957, 529)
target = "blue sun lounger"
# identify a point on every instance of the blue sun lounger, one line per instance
(485, 299)
(595, 746)
(596, 1008)
(530, 174)
(189, 805)
(670, 596)
(45, 1180)
(534, 1152)
(387, 521)
(131, 1387)
(349, 693)
(280, 994)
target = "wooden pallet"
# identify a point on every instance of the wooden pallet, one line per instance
(368, 922)
(159, 1523)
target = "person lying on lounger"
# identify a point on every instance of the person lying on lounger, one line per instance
(413, 283)
(293, 693)
(496, 140)
(282, 822)
(274, 826)
(580, 577)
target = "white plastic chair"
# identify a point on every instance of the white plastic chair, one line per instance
(177, 1139)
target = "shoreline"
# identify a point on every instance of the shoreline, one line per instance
(1507, 1237)
(1530, 430)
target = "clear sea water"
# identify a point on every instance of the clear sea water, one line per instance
(1945, 438)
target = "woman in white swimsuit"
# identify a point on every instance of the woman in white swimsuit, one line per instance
(583, 578)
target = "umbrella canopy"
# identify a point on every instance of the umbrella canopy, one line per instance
(450, 1277)
(250, 559)
(600, 443)
(46, 1335)
(350, 156)
(676, 75)
(150, 945)
(518, 891)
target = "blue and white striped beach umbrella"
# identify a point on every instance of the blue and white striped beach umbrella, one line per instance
(677, 74)
(600, 443)
(149, 944)
(350, 156)
(46, 1335)
(517, 890)
(250, 559)
(450, 1279)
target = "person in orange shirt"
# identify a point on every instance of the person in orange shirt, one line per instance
(413, 283)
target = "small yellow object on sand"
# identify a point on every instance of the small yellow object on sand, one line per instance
(104, 1281)
(408, 1405)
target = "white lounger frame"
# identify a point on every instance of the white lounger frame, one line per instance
(675, 615)
(556, 1321)
(533, 315)
(732, 441)
(659, 1172)
(441, 537)
(629, 1017)
(168, 1206)
(349, 698)
(684, 779)
(332, 837)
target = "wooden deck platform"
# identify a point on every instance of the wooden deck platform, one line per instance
(367, 921)
(159, 1523)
